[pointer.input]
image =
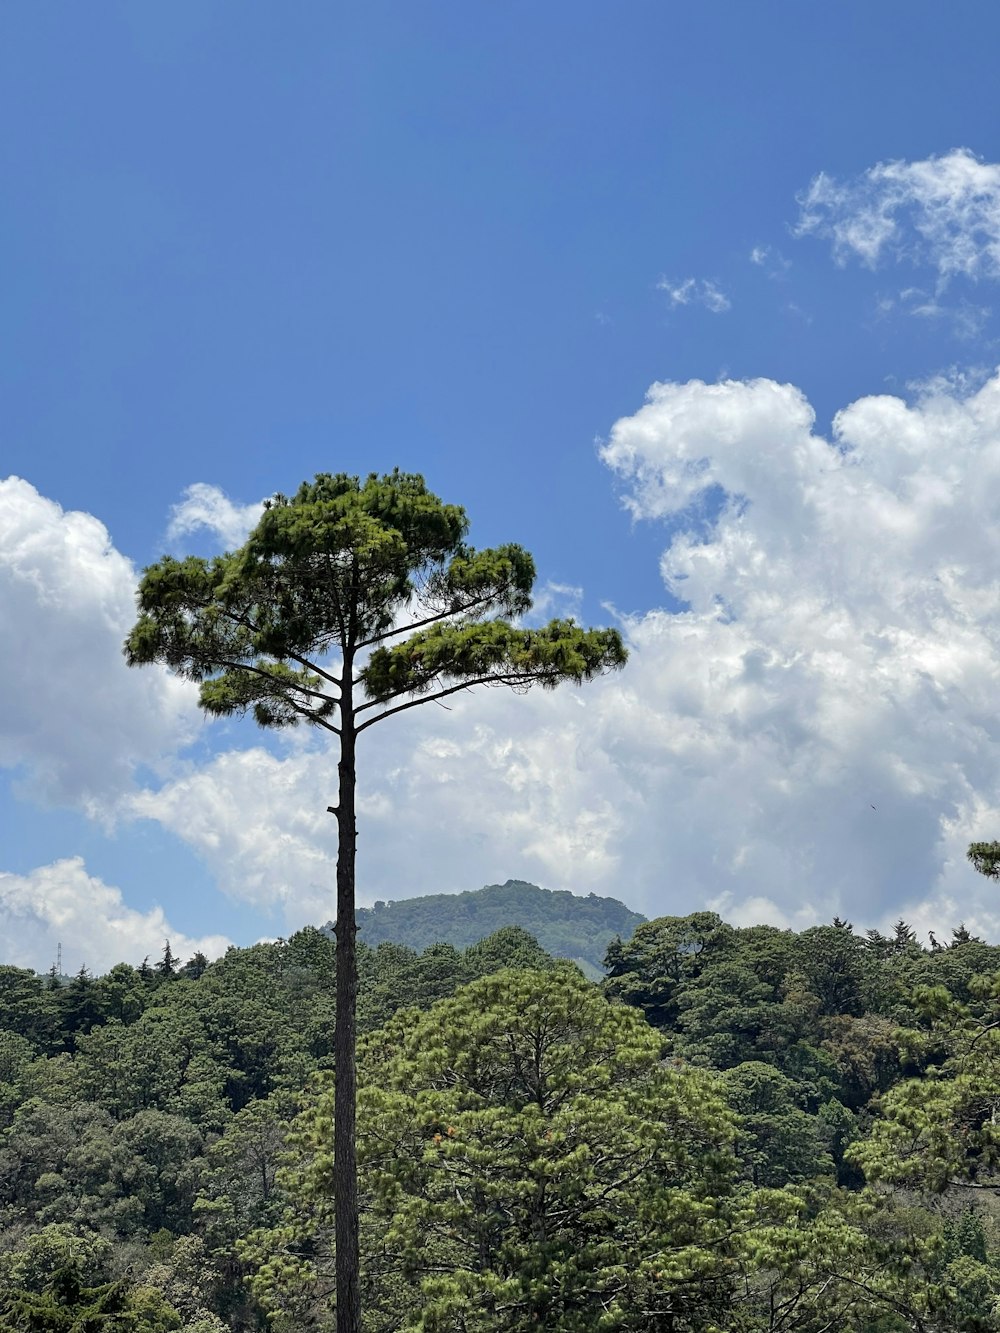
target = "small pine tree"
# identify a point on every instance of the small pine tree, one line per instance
(166, 968)
(962, 935)
(904, 936)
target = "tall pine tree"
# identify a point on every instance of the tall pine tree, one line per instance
(350, 602)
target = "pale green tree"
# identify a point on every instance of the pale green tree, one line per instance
(528, 1161)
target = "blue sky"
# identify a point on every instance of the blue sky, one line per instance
(242, 243)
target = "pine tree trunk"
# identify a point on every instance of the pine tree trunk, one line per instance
(345, 1169)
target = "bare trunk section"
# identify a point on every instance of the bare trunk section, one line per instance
(345, 1168)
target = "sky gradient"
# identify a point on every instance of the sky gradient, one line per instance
(698, 303)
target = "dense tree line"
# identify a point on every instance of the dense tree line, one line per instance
(738, 1130)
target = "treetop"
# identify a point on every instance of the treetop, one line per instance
(289, 624)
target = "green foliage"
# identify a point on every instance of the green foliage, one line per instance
(578, 928)
(76, 1165)
(239, 1182)
(809, 1004)
(27, 1007)
(710, 1171)
(778, 1143)
(650, 968)
(985, 856)
(59, 1281)
(332, 569)
(823, 1259)
(837, 969)
(527, 1160)
(510, 946)
(547, 656)
(941, 1129)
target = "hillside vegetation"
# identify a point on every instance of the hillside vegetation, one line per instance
(564, 924)
(737, 1131)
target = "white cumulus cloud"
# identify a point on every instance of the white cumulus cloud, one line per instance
(841, 644)
(73, 718)
(941, 211)
(259, 821)
(839, 649)
(208, 508)
(61, 903)
(494, 787)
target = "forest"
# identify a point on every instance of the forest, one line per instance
(734, 1130)
(563, 923)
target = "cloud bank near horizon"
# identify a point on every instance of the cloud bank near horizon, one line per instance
(837, 650)
(62, 903)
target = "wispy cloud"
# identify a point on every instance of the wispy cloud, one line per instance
(953, 381)
(208, 507)
(557, 599)
(771, 260)
(941, 212)
(965, 319)
(795, 310)
(696, 291)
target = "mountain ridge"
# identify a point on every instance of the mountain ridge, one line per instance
(565, 924)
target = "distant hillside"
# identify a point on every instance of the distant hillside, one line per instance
(563, 923)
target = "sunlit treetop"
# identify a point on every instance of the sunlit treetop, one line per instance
(352, 583)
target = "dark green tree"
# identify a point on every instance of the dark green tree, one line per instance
(195, 966)
(28, 1007)
(166, 968)
(80, 1007)
(778, 1143)
(350, 602)
(985, 856)
(511, 946)
(662, 957)
(122, 995)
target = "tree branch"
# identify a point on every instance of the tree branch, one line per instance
(262, 671)
(241, 618)
(510, 678)
(315, 719)
(507, 677)
(311, 666)
(430, 620)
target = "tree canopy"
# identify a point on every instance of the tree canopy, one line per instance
(340, 569)
(725, 1151)
(566, 924)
